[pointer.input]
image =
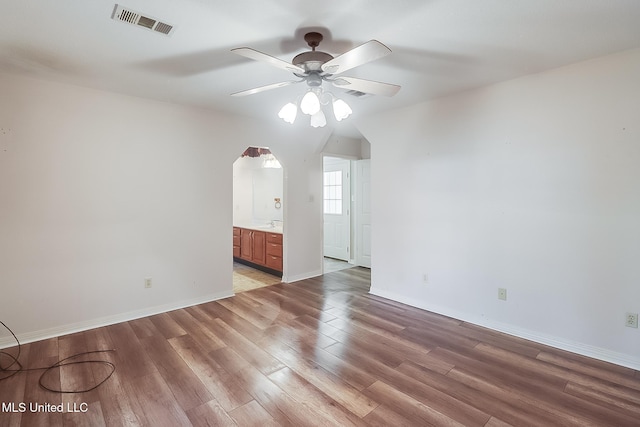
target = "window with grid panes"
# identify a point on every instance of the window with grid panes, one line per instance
(333, 192)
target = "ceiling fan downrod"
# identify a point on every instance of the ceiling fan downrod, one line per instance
(313, 39)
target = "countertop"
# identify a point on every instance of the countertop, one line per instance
(265, 227)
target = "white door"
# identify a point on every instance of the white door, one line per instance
(336, 206)
(363, 213)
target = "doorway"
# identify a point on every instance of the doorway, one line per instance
(258, 219)
(346, 213)
(337, 208)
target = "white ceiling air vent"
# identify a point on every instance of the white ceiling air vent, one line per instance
(357, 93)
(135, 18)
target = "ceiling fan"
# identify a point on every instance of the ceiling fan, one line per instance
(315, 67)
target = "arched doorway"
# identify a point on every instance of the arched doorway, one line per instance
(258, 185)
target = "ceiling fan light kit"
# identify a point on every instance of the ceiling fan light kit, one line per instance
(318, 120)
(315, 68)
(289, 112)
(310, 103)
(341, 109)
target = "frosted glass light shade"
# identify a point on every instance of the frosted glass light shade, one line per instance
(310, 103)
(341, 109)
(288, 113)
(318, 120)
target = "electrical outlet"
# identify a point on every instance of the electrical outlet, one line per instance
(631, 320)
(147, 282)
(502, 294)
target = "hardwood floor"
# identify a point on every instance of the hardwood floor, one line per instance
(319, 352)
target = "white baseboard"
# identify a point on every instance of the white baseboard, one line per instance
(303, 276)
(550, 340)
(108, 320)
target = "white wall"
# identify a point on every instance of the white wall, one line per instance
(341, 146)
(346, 147)
(302, 208)
(100, 190)
(365, 149)
(532, 185)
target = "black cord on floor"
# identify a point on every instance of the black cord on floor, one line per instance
(15, 367)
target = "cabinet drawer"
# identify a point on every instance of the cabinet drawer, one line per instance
(236, 240)
(236, 251)
(274, 262)
(236, 231)
(274, 238)
(274, 249)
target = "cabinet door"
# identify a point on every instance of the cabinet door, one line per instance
(259, 240)
(246, 244)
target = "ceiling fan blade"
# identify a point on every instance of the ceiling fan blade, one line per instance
(366, 86)
(263, 88)
(247, 52)
(367, 52)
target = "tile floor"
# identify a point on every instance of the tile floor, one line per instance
(246, 278)
(331, 265)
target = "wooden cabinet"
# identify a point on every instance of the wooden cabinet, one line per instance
(260, 248)
(274, 251)
(246, 244)
(236, 242)
(252, 245)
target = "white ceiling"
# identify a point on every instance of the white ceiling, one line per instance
(439, 46)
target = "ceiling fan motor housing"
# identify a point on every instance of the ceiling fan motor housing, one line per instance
(314, 79)
(311, 61)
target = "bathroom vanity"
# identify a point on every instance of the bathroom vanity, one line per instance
(259, 247)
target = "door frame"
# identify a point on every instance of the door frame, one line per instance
(347, 201)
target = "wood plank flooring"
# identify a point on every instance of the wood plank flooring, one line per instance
(319, 352)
